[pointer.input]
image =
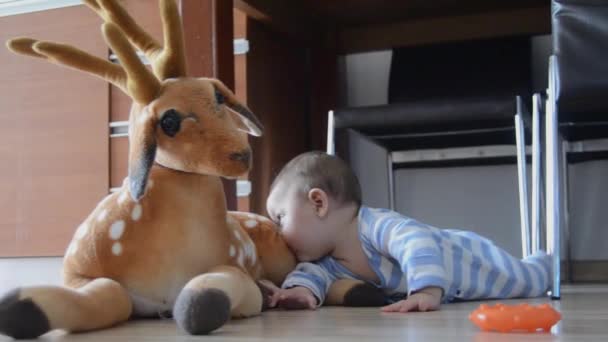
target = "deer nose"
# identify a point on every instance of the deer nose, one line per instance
(243, 156)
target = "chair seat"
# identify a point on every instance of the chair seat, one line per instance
(580, 29)
(584, 131)
(429, 116)
(501, 136)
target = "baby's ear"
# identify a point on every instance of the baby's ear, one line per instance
(319, 199)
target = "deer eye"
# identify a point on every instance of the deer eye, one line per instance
(171, 122)
(219, 97)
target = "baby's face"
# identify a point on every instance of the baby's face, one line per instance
(300, 226)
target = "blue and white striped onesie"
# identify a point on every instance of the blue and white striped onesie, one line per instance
(407, 256)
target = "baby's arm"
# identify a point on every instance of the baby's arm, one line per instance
(296, 298)
(427, 299)
(304, 288)
(414, 247)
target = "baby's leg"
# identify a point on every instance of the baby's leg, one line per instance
(539, 266)
(491, 272)
(528, 277)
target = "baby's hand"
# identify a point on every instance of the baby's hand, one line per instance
(296, 298)
(270, 294)
(427, 299)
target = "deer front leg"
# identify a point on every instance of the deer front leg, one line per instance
(29, 312)
(350, 292)
(209, 300)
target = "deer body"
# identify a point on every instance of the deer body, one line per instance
(153, 247)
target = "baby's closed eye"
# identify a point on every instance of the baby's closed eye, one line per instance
(279, 220)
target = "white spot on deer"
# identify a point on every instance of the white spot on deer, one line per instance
(117, 229)
(241, 259)
(102, 215)
(150, 184)
(232, 251)
(81, 231)
(124, 195)
(237, 235)
(136, 213)
(251, 223)
(117, 248)
(143, 117)
(251, 216)
(72, 248)
(249, 250)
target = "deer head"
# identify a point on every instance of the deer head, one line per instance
(188, 124)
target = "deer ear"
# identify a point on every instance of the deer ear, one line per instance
(242, 116)
(142, 151)
(244, 122)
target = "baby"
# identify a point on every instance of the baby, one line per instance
(316, 202)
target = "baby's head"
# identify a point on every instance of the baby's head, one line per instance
(312, 199)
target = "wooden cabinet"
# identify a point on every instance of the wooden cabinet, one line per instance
(53, 135)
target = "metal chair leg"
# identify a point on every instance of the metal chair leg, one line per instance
(536, 173)
(391, 182)
(330, 133)
(565, 207)
(553, 187)
(522, 182)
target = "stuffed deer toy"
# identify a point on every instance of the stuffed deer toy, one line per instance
(164, 244)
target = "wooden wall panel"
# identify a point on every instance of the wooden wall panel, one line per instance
(323, 89)
(54, 135)
(524, 21)
(278, 92)
(240, 84)
(209, 34)
(119, 161)
(120, 105)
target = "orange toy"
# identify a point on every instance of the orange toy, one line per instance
(511, 318)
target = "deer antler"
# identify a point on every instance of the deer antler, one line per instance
(134, 79)
(168, 61)
(140, 83)
(70, 56)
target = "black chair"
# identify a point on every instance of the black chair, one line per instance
(577, 107)
(456, 103)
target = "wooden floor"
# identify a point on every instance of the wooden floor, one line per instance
(584, 310)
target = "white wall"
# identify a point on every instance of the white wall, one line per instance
(16, 272)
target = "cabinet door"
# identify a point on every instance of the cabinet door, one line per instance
(53, 135)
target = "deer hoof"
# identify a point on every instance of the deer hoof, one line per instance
(21, 318)
(201, 312)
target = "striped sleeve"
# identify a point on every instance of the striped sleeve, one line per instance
(314, 277)
(415, 248)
